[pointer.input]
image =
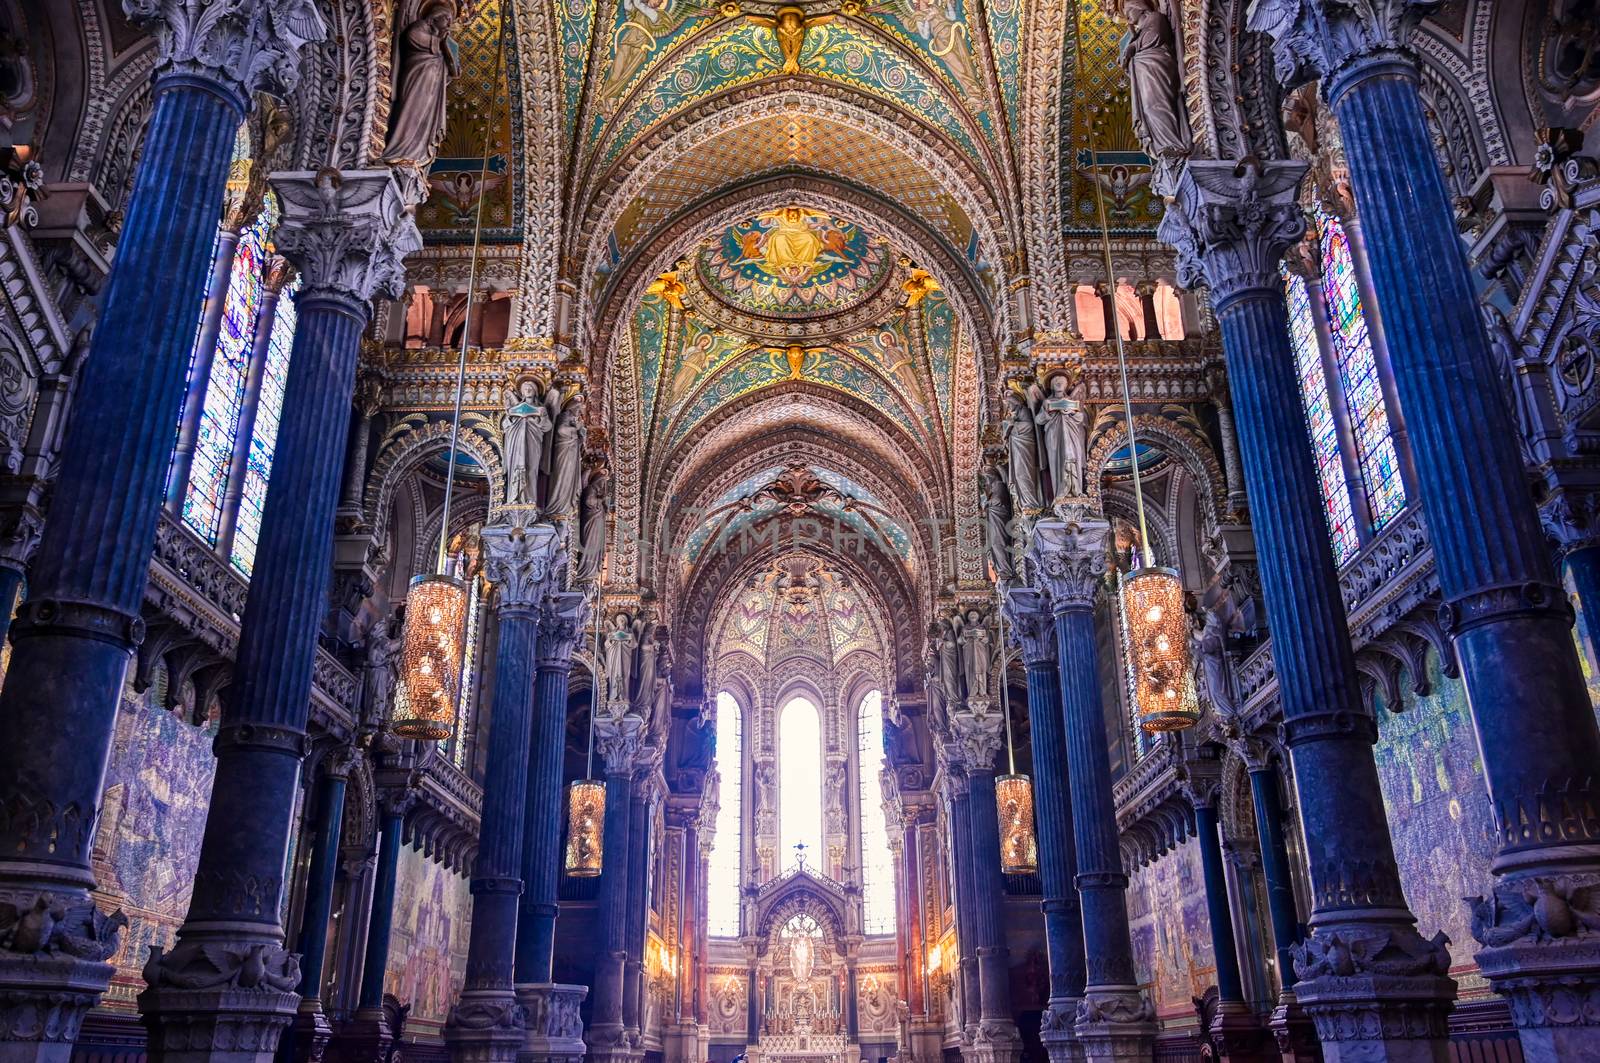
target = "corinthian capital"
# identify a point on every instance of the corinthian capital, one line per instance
(1324, 39)
(1031, 625)
(347, 231)
(560, 628)
(1232, 222)
(1070, 558)
(619, 740)
(249, 45)
(975, 739)
(518, 560)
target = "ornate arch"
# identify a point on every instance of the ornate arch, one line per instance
(1183, 444)
(405, 445)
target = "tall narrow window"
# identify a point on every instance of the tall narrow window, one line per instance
(722, 885)
(800, 784)
(877, 866)
(264, 440)
(1376, 458)
(1324, 430)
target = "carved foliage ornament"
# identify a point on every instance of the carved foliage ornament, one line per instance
(348, 231)
(518, 560)
(1231, 224)
(252, 44)
(1070, 559)
(1314, 39)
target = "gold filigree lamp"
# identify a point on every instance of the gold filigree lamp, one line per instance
(586, 797)
(1013, 793)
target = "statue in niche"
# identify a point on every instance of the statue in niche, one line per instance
(943, 634)
(427, 63)
(620, 649)
(524, 426)
(1149, 55)
(383, 652)
(997, 523)
(566, 458)
(645, 668)
(1064, 426)
(763, 779)
(1021, 434)
(592, 513)
(976, 653)
(1209, 648)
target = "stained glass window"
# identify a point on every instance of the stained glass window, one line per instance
(1376, 458)
(1318, 406)
(722, 878)
(264, 440)
(219, 417)
(877, 867)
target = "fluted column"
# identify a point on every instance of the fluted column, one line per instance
(1115, 1021)
(380, 921)
(618, 739)
(958, 803)
(1375, 988)
(1033, 628)
(560, 628)
(977, 738)
(76, 633)
(205, 351)
(1235, 1030)
(346, 232)
(487, 1025)
(638, 905)
(1504, 605)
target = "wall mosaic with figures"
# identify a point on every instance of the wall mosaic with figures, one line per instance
(1171, 931)
(428, 949)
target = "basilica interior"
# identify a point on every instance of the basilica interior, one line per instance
(799, 531)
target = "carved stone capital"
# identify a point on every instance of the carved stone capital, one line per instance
(1032, 627)
(518, 561)
(975, 739)
(1231, 224)
(561, 626)
(618, 739)
(347, 231)
(249, 45)
(1571, 519)
(222, 999)
(1328, 39)
(1070, 561)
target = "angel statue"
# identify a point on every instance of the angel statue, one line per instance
(1149, 54)
(427, 63)
(1064, 426)
(525, 426)
(383, 653)
(976, 653)
(566, 458)
(997, 523)
(619, 655)
(1021, 436)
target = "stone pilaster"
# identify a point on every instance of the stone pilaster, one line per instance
(228, 987)
(619, 740)
(1375, 988)
(75, 635)
(1033, 628)
(488, 1024)
(1114, 1021)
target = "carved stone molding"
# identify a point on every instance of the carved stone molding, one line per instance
(251, 45)
(1232, 222)
(1070, 561)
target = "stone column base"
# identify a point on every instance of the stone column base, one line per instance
(608, 1043)
(306, 1039)
(1553, 989)
(1294, 1031)
(994, 1042)
(1057, 1032)
(365, 1038)
(43, 1000)
(1239, 1035)
(486, 1026)
(1378, 1018)
(554, 1031)
(1116, 1024)
(223, 1025)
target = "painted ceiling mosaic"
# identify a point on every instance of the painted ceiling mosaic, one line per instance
(797, 607)
(794, 261)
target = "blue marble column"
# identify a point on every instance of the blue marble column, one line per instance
(618, 739)
(205, 353)
(1275, 869)
(1115, 1020)
(487, 1024)
(10, 589)
(1504, 606)
(1230, 987)
(1376, 989)
(638, 906)
(380, 923)
(1033, 628)
(560, 628)
(1582, 564)
(346, 232)
(958, 804)
(75, 635)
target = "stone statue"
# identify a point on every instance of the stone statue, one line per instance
(1064, 427)
(763, 779)
(383, 654)
(620, 648)
(997, 523)
(427, 63)
(1022, 453)
(645, 668)
(525, 425)
(976, 653)
(944, 633)
(931, 679)
(1209, 649)
(566, 473)
(1150, 57)
(592, 514)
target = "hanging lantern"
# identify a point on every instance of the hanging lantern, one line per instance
(586, 816)
(1019, 846)
(430, 656)
(1158, 638)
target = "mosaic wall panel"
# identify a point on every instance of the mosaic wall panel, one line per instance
(940, 30)
(147, 843)
(1171, 930)
(1124, 169)
(428, 950)
(1438, 807)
